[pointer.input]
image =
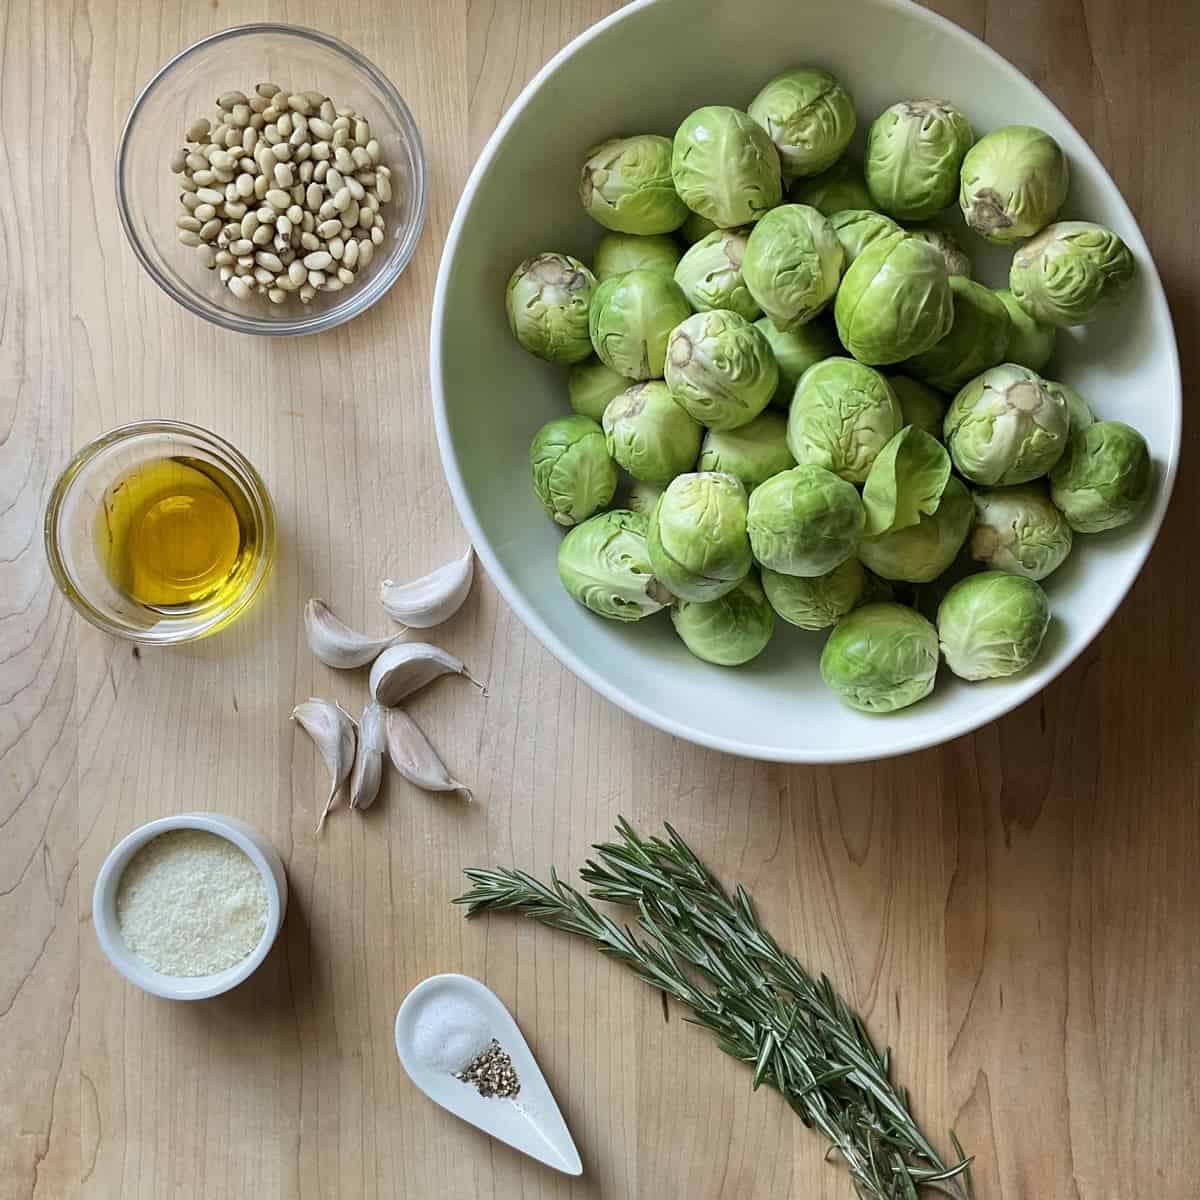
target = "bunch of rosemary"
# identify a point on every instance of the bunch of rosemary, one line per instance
(709, 952)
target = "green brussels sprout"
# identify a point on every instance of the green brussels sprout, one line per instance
(920, 405)
(991, 625)
(695, 228)
(976, 342)
(792, 264)
(895, 301)
(880, 658)
(1030, 343)
(835, 190)
(650, 435)
(1078, 412)
(1017, 529)
(617, 253)
(626, 185)
(819, 602)
(547, 300)
(642, 497)
(710, 274)
(906, 479)
(725, 167)
(1014, 181)
(921, 552)
(1005, 427)
(730, 630)
(573, 475)
(805, 521)
(631, 317)
(956, 258)
(591, 385)
(795, 351)
(721, 369)
(809, 116)
(1103, 479)
(1065, 276)
(699, 547)
(604, 564)
(914, 152)
(842, 415)
(858, 228)
(753, 452)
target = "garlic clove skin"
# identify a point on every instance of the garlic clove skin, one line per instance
(335, 643)
(406, 668)
(368, 763)
(415, 758)
(331, 728)
(433, 598)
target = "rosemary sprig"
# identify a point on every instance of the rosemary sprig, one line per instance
(709, 952)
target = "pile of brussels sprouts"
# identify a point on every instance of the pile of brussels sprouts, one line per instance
(768, 467)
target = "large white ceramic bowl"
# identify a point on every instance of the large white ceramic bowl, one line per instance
(642, 70)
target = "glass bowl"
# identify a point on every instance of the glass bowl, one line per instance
(72, 542)
(185, 89)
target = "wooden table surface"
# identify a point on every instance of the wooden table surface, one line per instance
(1017, 913)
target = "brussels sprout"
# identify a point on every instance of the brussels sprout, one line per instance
(631, 317)
(921, 552)
(839, 188)
(795, 351)
(1064, 276)
(1014, 181)
(819, 602)
(626, 185)
(880, 658)
(920, 405)
(792, 264)
(1030, 343)
(1103, 479)
(907, 479)
(699, 547)
(1017, 529)
(650, 435)
(725, 167)
(914, 151)
(957, 260)
(1005, 427)
(573, 475)
(617, 253)
(976, 342)
(730, 630)
(710, 274)
(842, 415)
(604, 564)
(895, 301)
(805, 521)
(547, 300)
(858, 228)
(991, 625)
(753, 452)
(642, 497)
(1078, 412)
(809, 116)
(591, 385)
(695, 228)
(721, 369)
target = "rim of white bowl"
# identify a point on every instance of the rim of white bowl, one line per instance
(889, 746)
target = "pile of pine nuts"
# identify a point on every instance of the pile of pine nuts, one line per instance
(282, 195)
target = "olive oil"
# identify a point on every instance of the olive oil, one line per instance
(176, 535)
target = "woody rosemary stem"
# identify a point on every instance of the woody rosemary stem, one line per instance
(709, 952)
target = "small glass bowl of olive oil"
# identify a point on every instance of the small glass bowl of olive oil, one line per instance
(160, 532)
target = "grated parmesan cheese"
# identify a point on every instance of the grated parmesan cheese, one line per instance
(191, 903)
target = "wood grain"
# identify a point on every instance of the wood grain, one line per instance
(1017, 913)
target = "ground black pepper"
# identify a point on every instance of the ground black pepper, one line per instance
(492, 1073)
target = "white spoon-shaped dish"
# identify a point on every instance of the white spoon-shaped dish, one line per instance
(442, 1024)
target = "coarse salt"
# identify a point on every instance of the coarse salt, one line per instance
(449, 1034)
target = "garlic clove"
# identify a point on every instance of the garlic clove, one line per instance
(401, 670)
(415, 758)
(335, 643)
(331, 728)
(433, 598)
(368, 763)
